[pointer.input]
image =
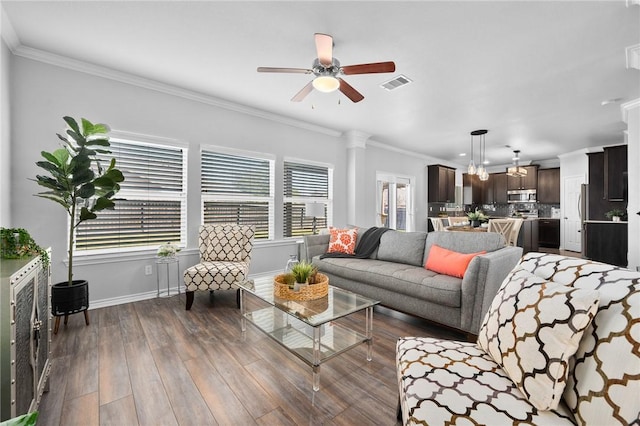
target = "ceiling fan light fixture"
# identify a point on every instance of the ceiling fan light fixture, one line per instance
(326, 83)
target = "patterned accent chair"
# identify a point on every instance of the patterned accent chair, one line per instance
(450, 382)
(225, 254)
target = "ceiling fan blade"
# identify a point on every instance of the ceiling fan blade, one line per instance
(350, 92)
(324, 47)
(303, 92)
(287, 70)
(376, 67)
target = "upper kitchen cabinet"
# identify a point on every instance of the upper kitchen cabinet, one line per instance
(549, 186)
(530, 181)
(473, 189)
(598, 203)
(499, 187)
(615, 173)
(442, 184)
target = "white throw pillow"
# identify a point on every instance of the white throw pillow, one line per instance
(532, 329)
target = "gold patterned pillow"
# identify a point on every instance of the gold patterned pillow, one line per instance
(532, 329)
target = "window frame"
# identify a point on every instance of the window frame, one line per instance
(213, 197)
(145, 195)
(328, 202)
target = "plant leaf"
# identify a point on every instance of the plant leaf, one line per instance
(50, 167)
(60, 201)
(85, 214)
(62, 155)
(80, 140)
(51, 158)
(101, 142)
(115, 175)
(71, 122)
(103, 203)
(86, 191)
(82, 176)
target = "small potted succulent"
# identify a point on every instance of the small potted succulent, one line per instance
(303, 273)
(616, 214)
(477, 216)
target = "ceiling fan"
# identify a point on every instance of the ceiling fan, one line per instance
(327, 70)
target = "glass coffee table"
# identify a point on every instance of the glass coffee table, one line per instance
(308, 329)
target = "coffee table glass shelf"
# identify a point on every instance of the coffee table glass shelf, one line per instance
(308, 329)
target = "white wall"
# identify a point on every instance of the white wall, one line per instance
(43, 94)
(5, 136)
(399, 163)
(632, 111)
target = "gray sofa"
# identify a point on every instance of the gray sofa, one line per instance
(394, 274)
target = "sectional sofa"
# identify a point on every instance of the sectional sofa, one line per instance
(395, 274)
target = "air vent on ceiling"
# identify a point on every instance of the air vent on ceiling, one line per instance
(396, 82)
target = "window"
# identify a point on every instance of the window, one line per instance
(238, 189)
(151, 205)
(394, 202)
(305, 183)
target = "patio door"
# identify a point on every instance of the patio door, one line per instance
(394, 202)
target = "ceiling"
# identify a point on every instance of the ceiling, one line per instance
(534, 74)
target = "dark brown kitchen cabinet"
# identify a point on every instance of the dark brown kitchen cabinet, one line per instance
(442, 184)
(615, 173)
(606, 242)
(528, 236)
(549, 233)
(598, 204)
(549, 186)
(530, 181)
(473, 189)
(499, 187)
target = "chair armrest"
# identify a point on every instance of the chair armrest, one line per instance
(315, 245)
(481, 283)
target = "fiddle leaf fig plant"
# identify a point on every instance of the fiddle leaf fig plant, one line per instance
(77, 178)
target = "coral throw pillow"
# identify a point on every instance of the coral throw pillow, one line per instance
(449, 262)
(342, 240)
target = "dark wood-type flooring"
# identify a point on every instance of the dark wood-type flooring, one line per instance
(153, 363)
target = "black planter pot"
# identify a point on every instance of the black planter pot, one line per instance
(69, 299)
(475, 223)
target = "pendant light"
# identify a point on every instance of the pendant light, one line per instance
(516, 170)
(481, 171)
(471, 170)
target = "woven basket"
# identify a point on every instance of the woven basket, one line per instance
(308, 292)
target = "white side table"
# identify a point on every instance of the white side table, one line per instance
(167, 260)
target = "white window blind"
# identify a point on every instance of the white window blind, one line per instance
(151, 205)
(305, 183)
(238, 189)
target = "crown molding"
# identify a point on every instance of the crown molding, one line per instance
(628, 106)
(122, 77)
(9, 34)
(427, 158)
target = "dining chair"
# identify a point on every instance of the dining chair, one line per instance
(513, 238)
(455, 220)
(503, 227)
(438, 224)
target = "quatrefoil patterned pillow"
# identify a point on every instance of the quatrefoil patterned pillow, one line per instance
(532, 329)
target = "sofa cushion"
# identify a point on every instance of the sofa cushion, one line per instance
(449, 262)
(402, 247)
(604, 375)
(443, 382)
(532, 329)
(342, 240)
(414, 281)
(464, 242)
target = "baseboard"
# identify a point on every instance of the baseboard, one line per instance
(121, 300)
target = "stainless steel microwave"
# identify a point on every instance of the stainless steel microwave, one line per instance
(522, 196)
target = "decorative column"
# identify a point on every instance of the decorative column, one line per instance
(358, 213)
(631, 116)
